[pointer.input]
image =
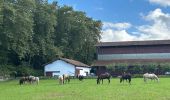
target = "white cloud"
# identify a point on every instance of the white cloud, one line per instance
(110, 35)
(159, 29)
(164, 3)
(119, 26)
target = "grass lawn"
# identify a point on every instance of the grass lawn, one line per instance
(86, 90)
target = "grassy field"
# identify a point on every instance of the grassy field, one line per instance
(86, 90)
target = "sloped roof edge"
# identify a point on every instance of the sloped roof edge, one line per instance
(71, 61)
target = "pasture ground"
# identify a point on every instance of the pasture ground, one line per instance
(86, 90)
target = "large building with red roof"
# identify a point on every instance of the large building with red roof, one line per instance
(132, 52)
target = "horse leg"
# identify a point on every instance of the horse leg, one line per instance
(144, 79)
(68, 80)
(129, 80)
(97, 80)
(109, 80)
(102, 81)
(120, 80)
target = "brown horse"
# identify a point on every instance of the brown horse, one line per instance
(103, 76)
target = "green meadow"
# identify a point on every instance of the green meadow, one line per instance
(86, 90)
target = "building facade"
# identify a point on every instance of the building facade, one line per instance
(132, 52)
(66, 66)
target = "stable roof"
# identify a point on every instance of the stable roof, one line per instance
(133, 43)
(71, 61)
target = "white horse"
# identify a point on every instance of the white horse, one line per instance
(147, 76)
(34, 79)
(66, 78)
(61, 79)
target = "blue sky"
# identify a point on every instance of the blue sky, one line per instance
(127, 20)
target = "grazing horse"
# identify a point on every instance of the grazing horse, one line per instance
(80, 77)
(103, 76)
(33, 79)
(147, 76)
(22, 80)
(125, 77)
(61, 79)
(66, 78)
(29, 79)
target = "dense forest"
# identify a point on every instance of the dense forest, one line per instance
(34, 32)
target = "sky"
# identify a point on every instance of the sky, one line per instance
(127, 20)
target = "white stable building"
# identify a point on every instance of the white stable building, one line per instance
(66, 66)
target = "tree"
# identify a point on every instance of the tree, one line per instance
(45, 20)
(76, 34)
(34, 32)
(17, 28)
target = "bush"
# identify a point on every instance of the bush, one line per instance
(139, 68)
(6, 70)
(137, 75)
(27, 70)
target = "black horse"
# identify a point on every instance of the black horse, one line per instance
(126, 77)
(103, 76)
(80, 77)
(22, 80)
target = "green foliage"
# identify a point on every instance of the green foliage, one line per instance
(77, 34)
(24, 71)
(6, 70)
(1, 16)
(139, 68)
(35, 32)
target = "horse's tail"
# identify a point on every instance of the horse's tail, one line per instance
(37, 79)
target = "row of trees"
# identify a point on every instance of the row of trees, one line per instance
(139, 68)
(33, 32)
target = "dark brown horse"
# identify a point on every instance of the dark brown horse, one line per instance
(103, 76)
(22, 80)
(126, 77)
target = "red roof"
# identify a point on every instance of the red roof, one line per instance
(131, 43)
(74, 62)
